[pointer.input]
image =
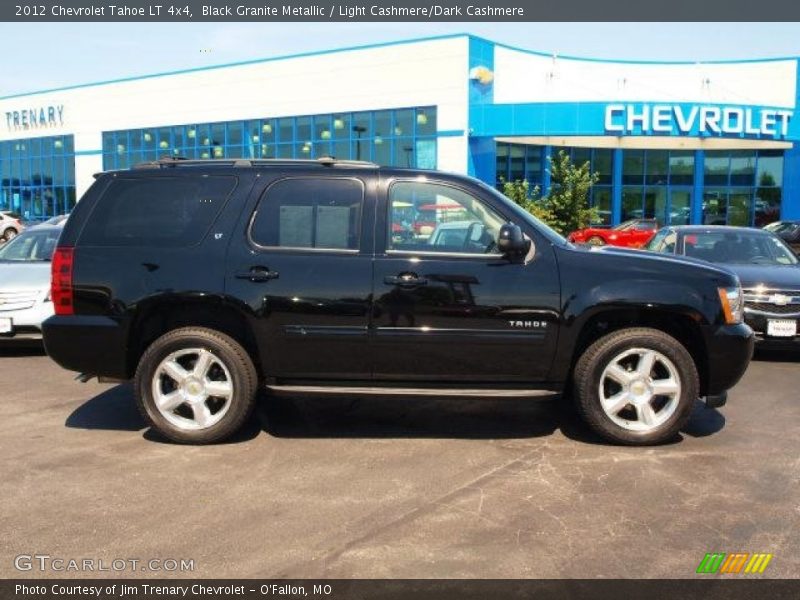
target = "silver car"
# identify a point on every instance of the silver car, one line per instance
(25, 282)
(10, 225)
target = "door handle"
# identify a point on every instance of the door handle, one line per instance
(256, 274)
(405, 280)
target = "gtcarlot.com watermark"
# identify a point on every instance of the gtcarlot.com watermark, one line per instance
(56, 564)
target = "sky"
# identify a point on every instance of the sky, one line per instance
(51, 55)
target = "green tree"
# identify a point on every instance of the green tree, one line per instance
(568, 199)
(520, 192)
(566, 207)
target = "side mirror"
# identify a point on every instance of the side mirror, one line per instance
(511, 242)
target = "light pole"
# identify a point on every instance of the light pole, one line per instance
(359, 129)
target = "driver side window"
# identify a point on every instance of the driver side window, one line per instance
(430, 217)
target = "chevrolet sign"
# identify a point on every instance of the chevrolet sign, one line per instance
(671, 119)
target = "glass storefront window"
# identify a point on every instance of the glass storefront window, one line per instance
(715, 206)
(603, 160)
(601, 199)
(362, 125)
(425, 122)
(767, 205)
(383, 124)
(37, 176)
(632, 202)
(657, 167)
(740, 204)
(716, 167)
(655, 203)
(519, 162)
(632, 166)
(387, 137)
(770, 168)
(502, 163)
(517, 158)
(743, 168)
(403, 122)
(581, 156)
(681, 168)
(341, 126)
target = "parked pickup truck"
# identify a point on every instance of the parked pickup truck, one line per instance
(206, 281)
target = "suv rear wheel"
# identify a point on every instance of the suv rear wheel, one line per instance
(195, 385)
(636, 386)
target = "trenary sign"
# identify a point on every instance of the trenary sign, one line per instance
(35, 118)
(672, 119)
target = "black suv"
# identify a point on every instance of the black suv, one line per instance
(206, 281)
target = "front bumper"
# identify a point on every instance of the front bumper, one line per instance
(87, 344)
(758, 323)
(27, 323)
(730, 348)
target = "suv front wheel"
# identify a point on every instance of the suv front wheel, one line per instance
(636, 386)
(195, 385)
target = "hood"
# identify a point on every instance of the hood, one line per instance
(24, 276)
(675, 259)
(779, 277)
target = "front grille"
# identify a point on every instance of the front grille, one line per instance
(773, 309)
(17, 300)
(773, 302)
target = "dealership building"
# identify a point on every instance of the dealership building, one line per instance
(712, 142)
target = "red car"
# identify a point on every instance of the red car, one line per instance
(632, 234)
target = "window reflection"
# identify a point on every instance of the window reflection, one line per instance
(402, 137)
(37, 176)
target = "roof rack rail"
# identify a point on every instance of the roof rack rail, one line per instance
(182, 161)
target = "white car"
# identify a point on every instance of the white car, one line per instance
(10, 225)
(25, 282)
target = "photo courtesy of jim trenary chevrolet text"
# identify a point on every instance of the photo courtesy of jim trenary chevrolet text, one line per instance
(351, 300)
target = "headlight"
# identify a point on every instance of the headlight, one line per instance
(732, 301)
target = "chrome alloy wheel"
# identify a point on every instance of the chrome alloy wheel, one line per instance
(192, 389)
(640, 389)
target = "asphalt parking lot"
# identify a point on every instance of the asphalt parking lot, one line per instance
(393, 487)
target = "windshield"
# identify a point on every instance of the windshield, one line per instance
(524, 215)
(625, 225)
(31, 245)
(738, 247)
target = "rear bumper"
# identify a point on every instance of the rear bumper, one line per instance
(730, 348)
(94, 345)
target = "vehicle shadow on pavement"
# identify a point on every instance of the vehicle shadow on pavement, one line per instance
(409, 417)
(382, 417)
(790, 354)
(114, 410)
(10, 347)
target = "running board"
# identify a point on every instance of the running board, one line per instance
(403, 391)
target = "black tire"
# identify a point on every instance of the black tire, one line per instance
(596, 240)
(592, 364)
(9, 234)
(228, 355)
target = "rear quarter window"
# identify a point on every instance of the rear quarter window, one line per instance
(310, 212)
(158, 211)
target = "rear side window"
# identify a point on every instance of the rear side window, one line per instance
(310, 212)
(159, 211)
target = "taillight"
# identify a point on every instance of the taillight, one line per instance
(61, 282)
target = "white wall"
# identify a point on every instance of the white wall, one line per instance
(521, 77)
(414, 74)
